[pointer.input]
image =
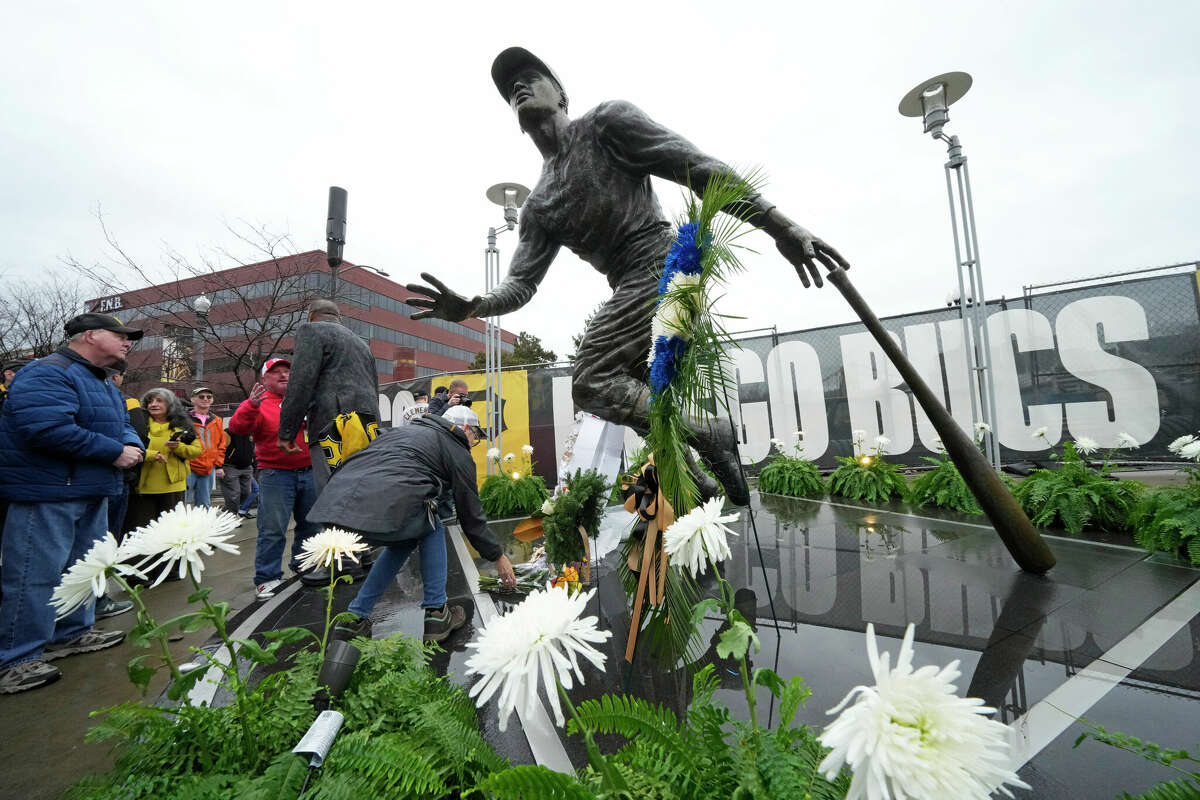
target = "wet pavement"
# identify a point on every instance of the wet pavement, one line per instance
(1110, 634)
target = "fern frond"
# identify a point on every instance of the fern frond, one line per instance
(527, 782)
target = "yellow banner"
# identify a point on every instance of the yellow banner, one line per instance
(514, 394)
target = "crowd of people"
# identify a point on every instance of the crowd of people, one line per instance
(79, 458)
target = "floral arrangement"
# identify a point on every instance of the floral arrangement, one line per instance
(688, 342)
(1168, 520)
(867, 475)
(1077, 494)
(791, 474)
(573, 516)
(515, 490)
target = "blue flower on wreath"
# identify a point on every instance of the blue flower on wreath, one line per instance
(668, 352)
(686, 252)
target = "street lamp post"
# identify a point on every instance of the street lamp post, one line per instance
(201, 305)
(510, 196)
(931, 101)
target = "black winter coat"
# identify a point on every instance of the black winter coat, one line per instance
(388, 491)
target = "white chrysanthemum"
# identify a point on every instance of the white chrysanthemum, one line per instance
(493, 454)
(1127, 442)
(182, 534)
(324, 547)
(881, 443)
(699, 537)
(1191, 450)
(540, 638)
(88, 577)
(1040, 433)
(982, 429)
(1180, 443)
(1085, 445)
(548, 507)
(777, 444)
(673, 317)
(799, 436)
(509, 456)
(938, 444)
(910, 736)
(859, 435)
(527, 449)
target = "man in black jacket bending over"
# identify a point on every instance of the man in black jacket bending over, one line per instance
(388, 493)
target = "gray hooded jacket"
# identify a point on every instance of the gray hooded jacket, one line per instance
(388, 491)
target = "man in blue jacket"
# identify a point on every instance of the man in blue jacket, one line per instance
(64, 439)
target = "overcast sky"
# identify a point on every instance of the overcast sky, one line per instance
(175, 119)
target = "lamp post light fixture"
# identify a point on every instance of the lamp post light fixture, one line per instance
(510, 197)
(201, 305)
(931, 100)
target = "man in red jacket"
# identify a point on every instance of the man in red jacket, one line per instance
(285, 478)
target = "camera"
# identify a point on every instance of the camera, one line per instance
(183, 436)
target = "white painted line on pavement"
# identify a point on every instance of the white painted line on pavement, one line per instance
(1046, 720)
(543, 738)
(205, 689)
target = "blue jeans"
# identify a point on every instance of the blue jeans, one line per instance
(199, 489)
(285, 493)
(252, 498)
(387, 566)
(40, 541)
(117, 508)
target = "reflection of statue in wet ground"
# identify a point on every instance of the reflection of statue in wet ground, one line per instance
(594, 196)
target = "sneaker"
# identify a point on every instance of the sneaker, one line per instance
(107, 607)
(246, 514)
(87, 643)
(265, 590)
(27, 675)
(352, 628)
(441, 622)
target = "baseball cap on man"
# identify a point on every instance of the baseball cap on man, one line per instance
(200, 389)
(513, 60)
(463, 417)
(96, 322)
(271, 363)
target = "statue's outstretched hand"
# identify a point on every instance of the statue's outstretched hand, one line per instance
(804, 251)
(440, 302)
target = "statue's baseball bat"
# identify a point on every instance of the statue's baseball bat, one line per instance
(1023, 541)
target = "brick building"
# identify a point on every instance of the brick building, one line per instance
(255, 311)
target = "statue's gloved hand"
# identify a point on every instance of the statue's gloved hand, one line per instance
(440, 301)
(804, 251)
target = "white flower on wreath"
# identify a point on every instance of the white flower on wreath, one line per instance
(777, 444)
(982, 429)
(1127, 442)
(673, 316)
(1183, 441)
(548, 507)
(699, 537)
(1191, 450)
(527, 449)
(1085, 445)
(881, 444)
(87, 578)
(493, 454)
(324, 547)
(508, 457)
(540, 639)
(182, 534)
(911, 736)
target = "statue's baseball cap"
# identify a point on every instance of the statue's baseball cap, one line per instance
(512, 61)
(97, 322)
(271, 363)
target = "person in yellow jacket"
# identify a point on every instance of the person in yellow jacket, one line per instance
(164, 472)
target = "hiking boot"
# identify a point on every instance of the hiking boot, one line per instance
(27, 675)
(265, 590)
(352, 628)
(87, 643)
(107, 607)
(441, 622)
